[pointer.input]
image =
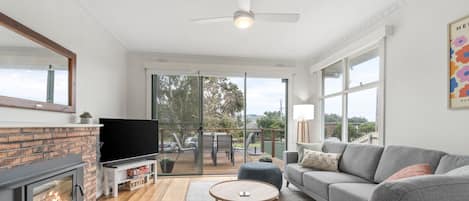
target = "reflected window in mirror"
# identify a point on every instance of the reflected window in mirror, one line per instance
(35, 72)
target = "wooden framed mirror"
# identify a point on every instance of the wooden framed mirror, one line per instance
(35, 72)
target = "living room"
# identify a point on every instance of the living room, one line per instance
(237, 99)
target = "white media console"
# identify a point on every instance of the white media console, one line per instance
(117, 174)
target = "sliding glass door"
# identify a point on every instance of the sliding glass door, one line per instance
(214, 124)
(266, 111)
(177, 104)
(224, 134)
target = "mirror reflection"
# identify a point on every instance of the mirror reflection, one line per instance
(30, 71)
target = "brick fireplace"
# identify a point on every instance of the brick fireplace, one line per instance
(21, 146)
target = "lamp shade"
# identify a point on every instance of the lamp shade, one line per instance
(303, 112)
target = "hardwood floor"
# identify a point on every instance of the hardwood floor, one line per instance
(165, 189)
(175, 188)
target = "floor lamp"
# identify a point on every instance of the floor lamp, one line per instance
(302, 114)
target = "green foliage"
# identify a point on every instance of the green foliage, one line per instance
(223, 102)
(367, 127)
(272, 120)
(178, 97)
(86, 115)
(178, 100)
(357, 126)
(166, 160)
(357, 120)
(332, 118)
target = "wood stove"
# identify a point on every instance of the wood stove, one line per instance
(51, 180)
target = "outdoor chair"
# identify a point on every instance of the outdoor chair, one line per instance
(182, 149)
(249, 140)
(225, 144)
(208, 142)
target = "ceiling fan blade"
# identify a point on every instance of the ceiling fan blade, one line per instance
(213, 19)
(278, 17)
(244, 5)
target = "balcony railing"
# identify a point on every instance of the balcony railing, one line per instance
(264, 141)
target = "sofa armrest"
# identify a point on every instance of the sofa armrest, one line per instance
(424, 188)
(290, 157)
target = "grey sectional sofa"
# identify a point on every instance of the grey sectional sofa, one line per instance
(363, 169)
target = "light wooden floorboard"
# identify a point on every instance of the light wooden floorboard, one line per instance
(174, 188)
(165, 189)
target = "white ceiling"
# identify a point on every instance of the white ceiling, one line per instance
(164, 26)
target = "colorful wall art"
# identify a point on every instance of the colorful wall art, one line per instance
(459, 64)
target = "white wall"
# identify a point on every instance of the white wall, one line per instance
(137, 62)
(416, 93)
(101, 60)
(416, 112)
(101, 69)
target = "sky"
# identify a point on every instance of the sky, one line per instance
(32, 84)
(263, 94)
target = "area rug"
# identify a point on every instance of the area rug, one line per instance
(198, 191)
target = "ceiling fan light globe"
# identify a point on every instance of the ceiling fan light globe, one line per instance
(243, 19)
(243, 22)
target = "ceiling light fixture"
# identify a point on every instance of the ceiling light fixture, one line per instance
(243, 19)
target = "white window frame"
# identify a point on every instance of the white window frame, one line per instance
(380, 85)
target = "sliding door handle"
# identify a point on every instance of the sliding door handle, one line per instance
(80, 189)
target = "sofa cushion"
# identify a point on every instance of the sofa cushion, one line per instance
(294, 172)
(394, 158)
(450, 162)
(351, 191)
(423, 188)
(319, 181)
(334, 147)
(411, 171)
(300, 147)
(361, 160)
(460, 171)
(320, 160)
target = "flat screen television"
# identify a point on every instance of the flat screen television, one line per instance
(125, 139)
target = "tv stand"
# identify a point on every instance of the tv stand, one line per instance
(117, 174)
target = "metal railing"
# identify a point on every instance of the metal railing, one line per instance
(270, 141)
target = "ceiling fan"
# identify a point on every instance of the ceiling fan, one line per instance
(245, 17)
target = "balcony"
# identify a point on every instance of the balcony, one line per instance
(190, 159)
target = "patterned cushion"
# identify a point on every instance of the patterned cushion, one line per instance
(321, 160)
(411, 171)
(300, 147)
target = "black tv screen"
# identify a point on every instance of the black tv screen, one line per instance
(123, 139)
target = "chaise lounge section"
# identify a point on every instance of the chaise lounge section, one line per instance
(363, 170)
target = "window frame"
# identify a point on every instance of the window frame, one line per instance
(379, 85)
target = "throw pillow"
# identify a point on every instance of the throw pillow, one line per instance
(300, 148)
(411, 171)
(461, 171)
(320, 160)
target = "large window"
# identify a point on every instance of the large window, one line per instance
(351, 91)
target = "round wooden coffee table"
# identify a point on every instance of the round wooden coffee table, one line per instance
(253, 190)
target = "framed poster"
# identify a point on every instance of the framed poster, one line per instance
(459, 63)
